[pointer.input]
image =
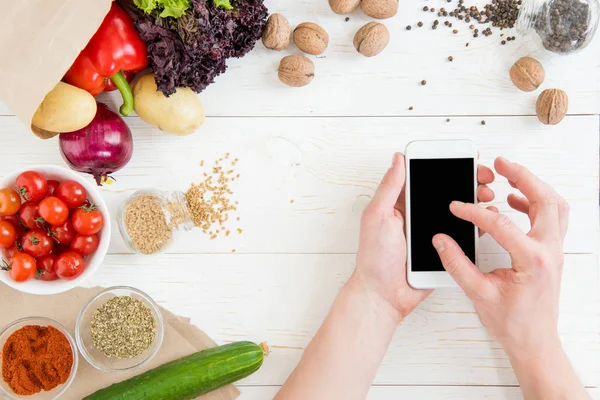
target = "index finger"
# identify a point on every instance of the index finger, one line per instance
(523, 179)
(544, 211)
(499, 226)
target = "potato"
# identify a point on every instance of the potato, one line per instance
(180, 114)
(65, 109)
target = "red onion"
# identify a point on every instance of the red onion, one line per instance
(101, 148)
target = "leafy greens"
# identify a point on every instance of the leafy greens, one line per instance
(190, 51)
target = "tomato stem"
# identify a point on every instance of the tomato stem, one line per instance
(23, 192)
(90, 208)
(5, 266)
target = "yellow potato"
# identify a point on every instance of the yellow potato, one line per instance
(65, 109)
(180, 114)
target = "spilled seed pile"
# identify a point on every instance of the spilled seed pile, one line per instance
(210, 201)
(498, 15)
(150, 220)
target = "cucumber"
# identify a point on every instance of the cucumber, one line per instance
(189, 377)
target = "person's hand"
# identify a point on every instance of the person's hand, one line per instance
(518, 306)
(381, 258)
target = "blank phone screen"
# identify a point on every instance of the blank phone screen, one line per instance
(434, 184)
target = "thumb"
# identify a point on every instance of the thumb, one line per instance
(459, 266)
(391, 186)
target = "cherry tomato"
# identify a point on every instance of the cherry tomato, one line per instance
(69, 265)
(22, 267)
(87, 220)
(10, 202)
(53, 210)
(16, 222)
(37, 243)
(64, 233)
(32, 185)
(11, 251)
(52, 186)
(28, 214)
(72, 193)
(8, 234)
(45, 268)
(85, 245)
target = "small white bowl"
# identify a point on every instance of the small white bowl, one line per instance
(83, 334)
(36, 286)
(6, 391)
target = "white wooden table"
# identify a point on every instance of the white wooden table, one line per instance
(310, 160)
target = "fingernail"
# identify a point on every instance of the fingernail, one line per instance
(439, 245)
(505, 160)
(458, 203)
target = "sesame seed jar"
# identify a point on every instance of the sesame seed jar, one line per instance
(149, 220)
(560, 26)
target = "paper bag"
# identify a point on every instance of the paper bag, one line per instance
(181, 338)
(40, 41)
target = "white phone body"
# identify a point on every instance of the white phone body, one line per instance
(435, 149)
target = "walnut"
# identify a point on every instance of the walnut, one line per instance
(311, 38)
(551, 106)
(527, 74)
(296, 71)
(380, 9)
(371, 39)
(343, 6)
(276, 35)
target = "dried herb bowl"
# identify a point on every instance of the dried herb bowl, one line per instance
(92, 262)
(86, 318)
(57, 392)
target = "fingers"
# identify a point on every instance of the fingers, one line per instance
(492, 209)
(458, 265)
(544, 203)
(507, 234)
(485, 194)
(518, 203)
(391, 186)
(485, 175)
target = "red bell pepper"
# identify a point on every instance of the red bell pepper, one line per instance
(116, 47)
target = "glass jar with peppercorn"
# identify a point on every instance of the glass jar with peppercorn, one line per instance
(150, 218)
(562, 26)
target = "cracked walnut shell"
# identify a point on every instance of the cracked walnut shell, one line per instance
(371, 39)
(552, 106)
(296, 70)
(276, 35)
(527, 74)
(311, 38)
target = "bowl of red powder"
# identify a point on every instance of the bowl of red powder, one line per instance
(38, 359)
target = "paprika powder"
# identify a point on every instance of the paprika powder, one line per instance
(36, 358)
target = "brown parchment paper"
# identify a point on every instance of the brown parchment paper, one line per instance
(39, 40)
(181, 338)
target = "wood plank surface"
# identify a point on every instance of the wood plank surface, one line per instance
(283, 299)
(305, 181)
(348, 84)
(414, 392)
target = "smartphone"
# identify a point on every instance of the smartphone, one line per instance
(437, 173)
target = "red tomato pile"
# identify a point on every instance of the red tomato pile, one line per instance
(47, 228)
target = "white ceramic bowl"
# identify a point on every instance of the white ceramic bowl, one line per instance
(5, 391)
(36, 286)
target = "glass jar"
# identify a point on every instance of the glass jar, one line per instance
(562, 26)
(150, 219)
